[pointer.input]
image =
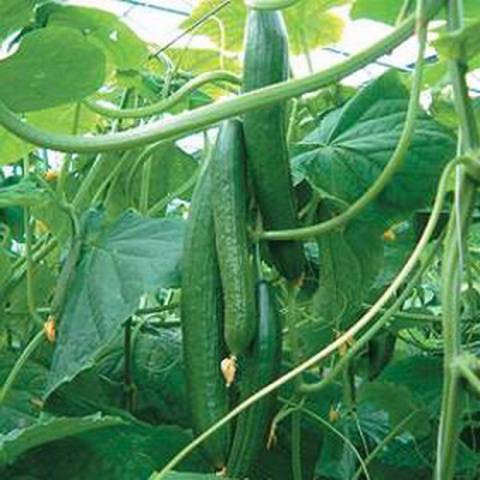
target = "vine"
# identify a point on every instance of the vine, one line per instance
(201, 118)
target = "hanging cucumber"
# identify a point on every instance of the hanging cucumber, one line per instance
(266, 63)
(229, 198)
(262, 367)
(202, 319)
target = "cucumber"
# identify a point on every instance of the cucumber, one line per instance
(262, 367)
(202, 318)
(266, 63)
(229, 198)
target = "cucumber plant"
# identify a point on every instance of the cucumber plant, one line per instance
(289, 246)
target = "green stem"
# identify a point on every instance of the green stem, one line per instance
(202, 118)
(453, 395)
(145, 186)
(165, 103)
(406, 7)
(468, 374)
(111, 176)
(333, 346)
(390, 312)
(381, 445)
(296, 419)
(192, 27)
(297, 445)
(129, 386)
(32, 309)
(387, 174)
(62, 178)
(27, 352)
(270, 4)
(420, 317)
(335, 431)
(162, 203)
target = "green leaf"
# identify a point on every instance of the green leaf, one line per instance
(14, 308)
(352, 145)
(46, 430)
(26, 193)
(58, 120)
(399, 403)
(22, 404)
(199, 60)
(15, 14)
(52, 66)
(422, 375)
(5, 266)
(192, 476)
(120, 263)
(124, 49)
(170, 168)
(349, 262)
(158, 370)
(464, 43)
(123, 452)
(387, 10)
(303, 21)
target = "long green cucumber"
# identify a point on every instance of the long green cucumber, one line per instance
(262, 367)
(202, 319)
(266, 63)
(229, 198)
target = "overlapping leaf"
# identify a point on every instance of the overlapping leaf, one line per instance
(387, 10)
(310, 23)
(15, 14)
(352, 145)
(124, 49)
(133, 256)
(46, 430)
(52, 66)
(464, 43)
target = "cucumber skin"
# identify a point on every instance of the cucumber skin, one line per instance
(229, 198)
(202, 324)
(266, 63)
(262, 367)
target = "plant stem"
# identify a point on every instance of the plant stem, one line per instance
(296, 420)
(192, 27)
(68, 158)
(388, 172)
(335, 431)
(333, 346)
(388, 438)
(162, 203)
(385, 318)
(202, 118)
(27, 352)
(460, 218)
(27, 226)
(129, 386)
(165, 103)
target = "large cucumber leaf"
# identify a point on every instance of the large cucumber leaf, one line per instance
(120, 262)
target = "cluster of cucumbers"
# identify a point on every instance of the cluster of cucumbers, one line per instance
(227, 309)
